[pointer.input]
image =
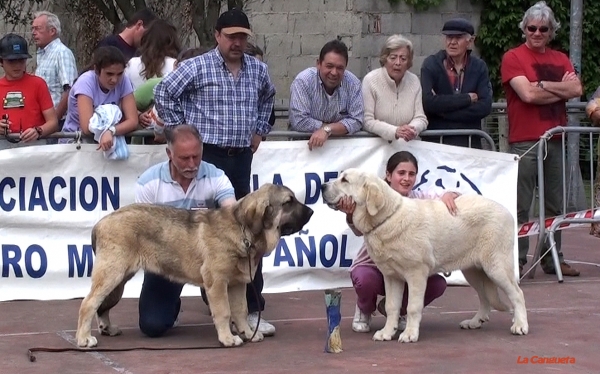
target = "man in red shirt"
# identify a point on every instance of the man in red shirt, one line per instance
(27, 107)
(538, 81)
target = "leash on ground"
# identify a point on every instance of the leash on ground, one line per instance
(33, 358)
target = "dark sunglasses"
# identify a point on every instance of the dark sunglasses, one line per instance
(9, 139)
(542, 29)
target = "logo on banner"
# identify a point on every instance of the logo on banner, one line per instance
(447, 179)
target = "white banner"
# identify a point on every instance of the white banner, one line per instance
(51, 196)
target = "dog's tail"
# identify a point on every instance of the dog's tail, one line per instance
(493, 296)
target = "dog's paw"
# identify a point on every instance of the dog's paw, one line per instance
(110, 330)
(409, 336)
(87, 342)
(471, 324)
(382, 335)
(258, 337)
(519, 329)
(232, 341)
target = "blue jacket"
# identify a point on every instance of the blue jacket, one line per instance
(447, 110)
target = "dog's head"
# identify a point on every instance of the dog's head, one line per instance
(367, 190)
(272, 206)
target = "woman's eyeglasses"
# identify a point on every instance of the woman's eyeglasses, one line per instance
(542, 29)
(9, 139)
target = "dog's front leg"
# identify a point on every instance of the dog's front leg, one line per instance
(417, 283)
(394, 290)
(218, 300)
(239, 312)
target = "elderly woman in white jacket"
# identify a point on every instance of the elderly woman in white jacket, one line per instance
(392, 94)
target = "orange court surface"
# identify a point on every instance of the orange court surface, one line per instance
(564, 334)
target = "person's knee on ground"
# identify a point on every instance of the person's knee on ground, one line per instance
(154, 326)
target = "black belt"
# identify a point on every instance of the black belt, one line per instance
(229, 151)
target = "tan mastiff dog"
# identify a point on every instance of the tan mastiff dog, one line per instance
(210, 248)
(410, 239)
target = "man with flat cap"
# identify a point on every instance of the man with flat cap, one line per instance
(457, 93)
(229, 97)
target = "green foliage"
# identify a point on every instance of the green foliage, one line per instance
(500, 31)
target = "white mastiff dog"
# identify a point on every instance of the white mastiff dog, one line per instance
(410, 239)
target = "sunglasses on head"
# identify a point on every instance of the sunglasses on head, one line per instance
(9, 139)
(542, 29)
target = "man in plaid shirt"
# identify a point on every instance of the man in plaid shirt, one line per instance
(228, 96)
(55, 61)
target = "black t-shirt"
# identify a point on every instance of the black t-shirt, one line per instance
(116, 41)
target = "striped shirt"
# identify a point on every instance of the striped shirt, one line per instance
(56, 65)
(226, 110)
(207, 191)
(311, 106)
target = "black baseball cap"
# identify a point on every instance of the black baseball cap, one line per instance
(13, 47)
(233, 21)
(458, 26)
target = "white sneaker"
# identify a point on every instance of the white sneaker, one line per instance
(264, 326)
(361, 321)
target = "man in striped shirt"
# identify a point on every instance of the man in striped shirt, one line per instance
(55, 61)
(229, 97)
(327, 99)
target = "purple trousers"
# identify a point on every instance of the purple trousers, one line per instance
(368, 284)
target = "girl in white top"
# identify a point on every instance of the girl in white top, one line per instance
(401, 175)
(392, 94)
(158, 50)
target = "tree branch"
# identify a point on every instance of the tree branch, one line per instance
(108, 10)
(126, 8)
(235, 4)
(140, 4)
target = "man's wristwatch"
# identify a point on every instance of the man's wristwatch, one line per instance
(113, 130)
(327, 129)
(540, 85)
(39, 131)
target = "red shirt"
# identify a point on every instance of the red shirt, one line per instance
(527, 122)
(24, 100)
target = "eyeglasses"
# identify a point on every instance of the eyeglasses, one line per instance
(542, 29)
(9, 139)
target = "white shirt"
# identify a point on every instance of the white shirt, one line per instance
(135, 66)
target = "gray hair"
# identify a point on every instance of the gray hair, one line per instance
(394, 42)
(172, 133)
(52, 20)
(541, 12)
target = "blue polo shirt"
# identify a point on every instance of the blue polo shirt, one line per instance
(208, 190)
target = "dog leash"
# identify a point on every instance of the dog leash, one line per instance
(31, 351)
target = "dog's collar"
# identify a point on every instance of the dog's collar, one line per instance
(245, 241)
(382, 222)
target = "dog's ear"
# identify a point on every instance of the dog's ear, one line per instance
(374, 199)
(256, 214)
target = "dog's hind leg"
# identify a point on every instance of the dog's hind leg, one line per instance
(476, 278)
(104, 325)
(105, 278)
(505, 279)
(239, 312)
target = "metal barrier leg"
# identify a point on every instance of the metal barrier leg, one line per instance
(555, 256)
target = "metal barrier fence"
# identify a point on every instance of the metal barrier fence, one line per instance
(294, 135)
(548, 233)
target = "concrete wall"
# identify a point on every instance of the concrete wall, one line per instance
(292, 32)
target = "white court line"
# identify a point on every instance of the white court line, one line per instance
(97, 355)
(532, 310)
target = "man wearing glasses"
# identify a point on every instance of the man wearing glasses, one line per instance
(27, 110)
(538, 81)
(457, 93)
